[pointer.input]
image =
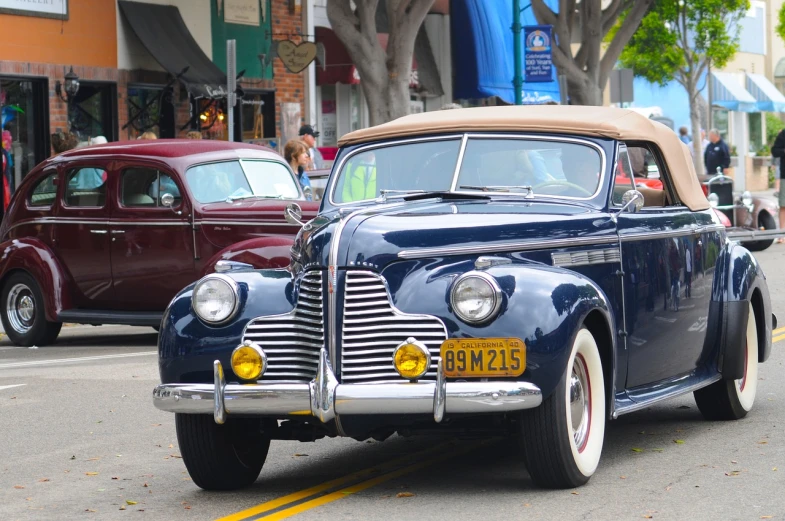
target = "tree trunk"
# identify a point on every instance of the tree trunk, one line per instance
(697, 142)
(584, 93)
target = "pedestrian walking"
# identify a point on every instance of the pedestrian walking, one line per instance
(684, 136)
(703, 144)
(296, 154)
(308, 136)
(688, 273)
(778, 150)
(717, 154)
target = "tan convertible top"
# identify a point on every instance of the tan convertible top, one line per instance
(607, 122)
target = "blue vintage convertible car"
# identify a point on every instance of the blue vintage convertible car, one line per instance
(491, 270)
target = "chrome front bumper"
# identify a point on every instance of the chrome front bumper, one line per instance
(323, 397)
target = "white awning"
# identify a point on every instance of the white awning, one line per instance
(769, 98)
(726, 91)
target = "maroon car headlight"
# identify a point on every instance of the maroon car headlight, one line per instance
(714, 200)
(214, 299)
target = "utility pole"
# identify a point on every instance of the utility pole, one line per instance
(517, 81)
(231, 83)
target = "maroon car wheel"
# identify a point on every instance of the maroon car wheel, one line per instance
(23, 313)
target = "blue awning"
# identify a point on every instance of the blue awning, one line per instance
(727, 92)
(770, 99)
(483, 53)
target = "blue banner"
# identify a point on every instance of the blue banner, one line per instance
(537, 53)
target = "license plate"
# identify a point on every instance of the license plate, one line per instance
(482, 357)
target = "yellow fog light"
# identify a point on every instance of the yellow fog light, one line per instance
(249, 361)
(411, 359)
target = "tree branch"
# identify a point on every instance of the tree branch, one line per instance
(631, 23)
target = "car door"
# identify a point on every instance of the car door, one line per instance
(665, 302)
(81, 232)
(151, 244)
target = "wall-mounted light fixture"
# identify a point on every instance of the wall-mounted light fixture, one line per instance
(71, 86)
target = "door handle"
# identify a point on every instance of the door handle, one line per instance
(100, 232)
(117, 231)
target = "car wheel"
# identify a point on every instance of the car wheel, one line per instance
(766, 222)
(562, 438)
(22, 313)
(733, 399)
(221, 457)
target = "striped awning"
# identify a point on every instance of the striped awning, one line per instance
(726, 91)
(769, 98)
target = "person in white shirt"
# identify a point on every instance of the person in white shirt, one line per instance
(308, 136)
(704, 143)
(688, 273)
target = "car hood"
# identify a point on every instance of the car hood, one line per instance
(375, 236)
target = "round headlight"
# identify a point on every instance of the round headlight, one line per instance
(475, 297)
(215, 299)
(746, 199)
(714, 200)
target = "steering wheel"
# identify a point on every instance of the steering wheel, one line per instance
(567, 184)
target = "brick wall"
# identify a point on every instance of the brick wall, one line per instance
(289, 87)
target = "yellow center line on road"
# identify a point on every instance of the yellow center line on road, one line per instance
(778, 331)
(360, 481)
(777, 339)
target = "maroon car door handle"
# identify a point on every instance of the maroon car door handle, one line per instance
(102, 232)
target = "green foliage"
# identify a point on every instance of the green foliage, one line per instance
(763, 151)
(773, 126)
(780, 29)
(677, 37)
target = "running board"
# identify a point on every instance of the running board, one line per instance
(97, 317)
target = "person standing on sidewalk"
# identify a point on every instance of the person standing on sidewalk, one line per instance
(308, 136)
(716, 154)
(778, 150)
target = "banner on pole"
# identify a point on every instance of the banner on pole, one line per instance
(537, 53)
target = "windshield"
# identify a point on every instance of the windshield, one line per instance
(549, 167)
(230, 180)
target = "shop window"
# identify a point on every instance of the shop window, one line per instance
(86, 187)
(150, 108)
(329, 118)
(93, 112)
(258, 115)
(213, 122)
(44, 191)
(755, 121)
(719, 121)
(24, 105)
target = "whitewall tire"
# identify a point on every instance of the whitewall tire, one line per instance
(562, 439)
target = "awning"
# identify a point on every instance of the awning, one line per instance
(483, 52)
(339, 67)
(165, 35)
(727, 92)
(770, 99)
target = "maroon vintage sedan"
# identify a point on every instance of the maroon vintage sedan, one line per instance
(109, 234)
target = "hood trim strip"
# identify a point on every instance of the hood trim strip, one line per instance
(508, 247)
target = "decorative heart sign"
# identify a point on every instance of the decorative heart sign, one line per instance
(296, 57)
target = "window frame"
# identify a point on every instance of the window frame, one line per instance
(70, 169)
(622, 148)
(665, 176)
(159, 172)
(44, 175)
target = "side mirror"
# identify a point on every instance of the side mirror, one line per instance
(167, 200)
(632, 202)
(293, 214)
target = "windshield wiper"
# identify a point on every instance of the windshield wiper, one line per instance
(501, 188)
(233, 198)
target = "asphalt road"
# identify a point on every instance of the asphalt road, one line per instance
(80, 439)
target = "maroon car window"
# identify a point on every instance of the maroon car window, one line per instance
(86, 187)
(44, 192)
(143, 187)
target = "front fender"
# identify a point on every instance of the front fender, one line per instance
(188, 346)
(260, 252)
(543, 305)
(766, 205)
(34, 257)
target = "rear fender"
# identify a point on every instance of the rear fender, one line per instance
(260, 253)
(739, 281)
(34, 257)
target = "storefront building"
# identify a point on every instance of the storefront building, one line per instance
(119, 68)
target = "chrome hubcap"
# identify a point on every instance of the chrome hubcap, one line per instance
(580, 398)
(20, 308)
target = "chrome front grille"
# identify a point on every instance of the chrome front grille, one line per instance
(373, 328)
(292, 341)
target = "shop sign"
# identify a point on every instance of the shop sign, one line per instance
(39, 8)
(296, 57)
(537, 52)
(243, 12)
